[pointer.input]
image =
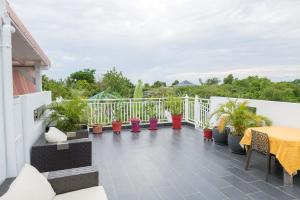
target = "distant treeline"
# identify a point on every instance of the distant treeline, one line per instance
(84, 84)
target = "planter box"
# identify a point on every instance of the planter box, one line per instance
(220, 138)
(57, 156)
(234, 144)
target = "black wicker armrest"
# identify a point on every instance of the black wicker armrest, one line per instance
(63, 181)
(5, 186)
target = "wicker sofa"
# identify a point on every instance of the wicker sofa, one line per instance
(70, 184)
(74, 153)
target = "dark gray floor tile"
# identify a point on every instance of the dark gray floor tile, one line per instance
(234, 194)
(196, 196)
(240, 184)
(242, 174)
(176, 165)
(168, 193)
(271, 190)
(291, 190)
(261, 196)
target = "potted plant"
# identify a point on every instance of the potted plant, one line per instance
(174, 105)
(151, 112)
(220, 131)
(69, 117)
(207, 131)
(135, 125)
(117, 115)
(240, 117)
(97, 128)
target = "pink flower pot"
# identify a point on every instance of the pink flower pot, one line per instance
(153, 124)
(135, 125)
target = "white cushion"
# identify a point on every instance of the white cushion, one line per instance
(93, 193)
(30, 185)
(55, 135)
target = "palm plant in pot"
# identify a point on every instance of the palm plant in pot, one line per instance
(174, 105)
(117, 118)
(240, 117)
(69, 117)
(152, 115)
(220, 131)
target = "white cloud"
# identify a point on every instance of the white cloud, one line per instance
(181, 38)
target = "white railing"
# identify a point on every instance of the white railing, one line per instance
(103, 111)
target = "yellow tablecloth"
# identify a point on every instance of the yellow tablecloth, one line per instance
(284, 144)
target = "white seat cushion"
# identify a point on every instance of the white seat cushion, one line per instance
(93, 193)
(55, 135)
(30, 185)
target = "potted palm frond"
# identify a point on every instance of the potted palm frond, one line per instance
(239, 118)
(68, 116)
(220, 131)
(117, 118)
(174, 105)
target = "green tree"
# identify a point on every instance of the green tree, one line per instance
(116, 83)
(87, 75)
(138, 91)
(212, 81)
(58, 88)
(158, 84)
(175, 82)
(229, 79)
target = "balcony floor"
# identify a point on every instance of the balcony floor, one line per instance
(171, 165)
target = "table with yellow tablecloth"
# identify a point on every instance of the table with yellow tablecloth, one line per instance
(284, 144)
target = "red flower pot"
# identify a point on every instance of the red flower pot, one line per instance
(116, 126)
(97, 128)
(135, 125)
(153, 124)
(176, 119)
(207, 134)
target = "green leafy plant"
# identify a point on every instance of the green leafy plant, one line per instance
(174, 105)
(117, 111)
(207, 125)
(151, 110)
(67, 115)
(240, 117)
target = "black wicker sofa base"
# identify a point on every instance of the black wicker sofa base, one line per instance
(58, 156)
(64, 181)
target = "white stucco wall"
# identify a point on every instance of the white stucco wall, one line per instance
(281, 113)
(31, 129)
(2, 145)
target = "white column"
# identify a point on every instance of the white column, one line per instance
(7, 97)
(38, 77)
(2, 128)
(186, 108)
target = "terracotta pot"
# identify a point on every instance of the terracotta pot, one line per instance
(135, 125)
(117, 126)
(176, 120)
(97, 128)
(207, 134)
(153, 124)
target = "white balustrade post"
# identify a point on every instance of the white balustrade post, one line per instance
(186, 108)
(196, 111)
(159, 110)
(130, 109)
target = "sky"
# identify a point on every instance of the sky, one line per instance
(167, 39)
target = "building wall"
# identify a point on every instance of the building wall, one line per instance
(281, 113)
(27, 130)
(23, 80)
(2, 147)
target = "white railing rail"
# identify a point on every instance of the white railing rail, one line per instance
(103, 111)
